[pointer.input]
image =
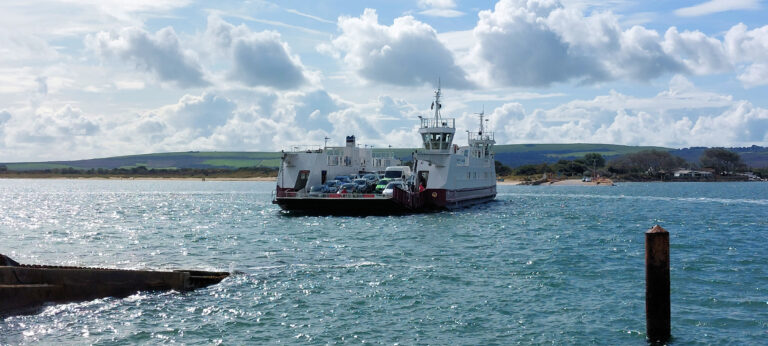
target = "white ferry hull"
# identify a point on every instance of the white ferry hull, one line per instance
(453, 199)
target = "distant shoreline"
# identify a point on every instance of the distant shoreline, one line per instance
(144, 178)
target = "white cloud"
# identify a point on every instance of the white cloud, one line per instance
(442, 12)
(259, 59)
(51, 18)
(700, 53)
(18, 48)
(160, 53)
(437, 3)
(537, 43)
(406, 53)
(4, 117)
(439, 8)
(678, 117)
(61, 131)
(299, 13)
(311, 109)
(200, 115)
(715, 6)
(747, 48)
(206, 122)
(129, 84)
(262, 60)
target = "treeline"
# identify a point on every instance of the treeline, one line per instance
(564, 168)
(143, 171)
(642, 165)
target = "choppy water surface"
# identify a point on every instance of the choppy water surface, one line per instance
(539, 265)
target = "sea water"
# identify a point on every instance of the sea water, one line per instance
(543, 264)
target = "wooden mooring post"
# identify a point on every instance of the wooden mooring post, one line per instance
(657, 308)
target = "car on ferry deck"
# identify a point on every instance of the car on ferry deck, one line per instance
(316, 191)
(343, 178)
(382, 184)
(362, 185)
(331, 186)
(372, 177)
(390, 189)
(347, 188)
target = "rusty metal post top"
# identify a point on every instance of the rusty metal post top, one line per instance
(657, 229)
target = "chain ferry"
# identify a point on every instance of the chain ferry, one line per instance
(445, 175)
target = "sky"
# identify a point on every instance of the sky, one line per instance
(84, 79)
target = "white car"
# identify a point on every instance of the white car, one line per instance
(389, 190)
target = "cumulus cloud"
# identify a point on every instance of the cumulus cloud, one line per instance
(160, 53)
(4, 117)
(439, 8)
(537, 43)
(406, 53)
(678, 117)
(748, 48)
(259, 58)
(312, 109)
(63, 126)
(700, 53)
(209, 121)
(715, 6)
(199, 115)
(541, 42)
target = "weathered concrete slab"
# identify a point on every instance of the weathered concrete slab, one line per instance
(24, 288)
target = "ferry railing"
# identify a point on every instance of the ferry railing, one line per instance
(485, 136)
(443, 122)
(304, 149)
(383, 155)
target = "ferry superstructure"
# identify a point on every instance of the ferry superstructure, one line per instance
(446, 176)
(303, 167)
(454, 176)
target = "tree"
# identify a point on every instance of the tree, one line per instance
(723, 161)
(650, 162)
(532, 169)
(501, 169)
(594, 160)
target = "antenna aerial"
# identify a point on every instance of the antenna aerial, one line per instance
(481, 114)
(436, 105)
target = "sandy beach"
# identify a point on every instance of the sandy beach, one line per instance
(567, 182)
(576, 182)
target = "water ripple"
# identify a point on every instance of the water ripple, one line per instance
(538, 265)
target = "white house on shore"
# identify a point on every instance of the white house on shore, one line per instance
(686, 173)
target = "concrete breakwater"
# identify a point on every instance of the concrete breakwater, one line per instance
(25, 288)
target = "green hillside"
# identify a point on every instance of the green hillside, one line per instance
(192, 159)
(513, 155)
